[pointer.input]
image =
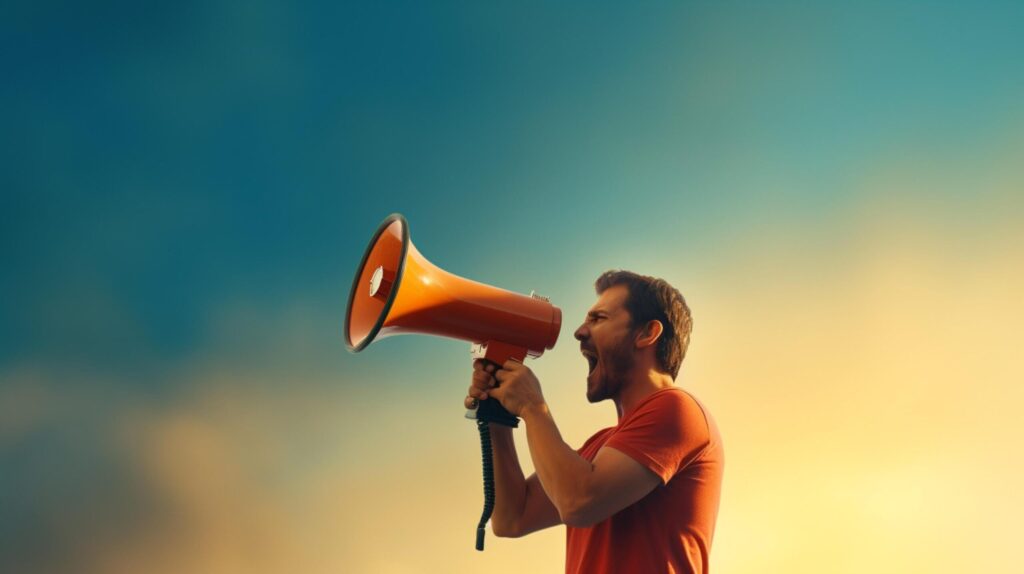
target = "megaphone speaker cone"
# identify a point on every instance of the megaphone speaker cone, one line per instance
(374, 287)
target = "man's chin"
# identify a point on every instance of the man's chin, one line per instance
(595, 392)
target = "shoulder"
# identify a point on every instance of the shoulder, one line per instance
(597, 437)
(674, 410)
(672, 401)
(665, 432)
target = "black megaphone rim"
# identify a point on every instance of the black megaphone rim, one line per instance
(394, 291)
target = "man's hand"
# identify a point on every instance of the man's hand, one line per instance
(518, 388)
(483, 381)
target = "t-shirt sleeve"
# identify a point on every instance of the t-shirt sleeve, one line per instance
(666, 434)
(582, 451)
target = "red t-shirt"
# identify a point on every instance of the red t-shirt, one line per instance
(670, 529)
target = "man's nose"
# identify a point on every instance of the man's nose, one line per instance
(581, 333)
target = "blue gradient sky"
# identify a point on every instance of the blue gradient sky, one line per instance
(187, 189)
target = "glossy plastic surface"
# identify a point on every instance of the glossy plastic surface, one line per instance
(428, 300)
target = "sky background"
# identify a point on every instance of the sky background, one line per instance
(187, 189)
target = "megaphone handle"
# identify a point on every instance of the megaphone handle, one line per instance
(490, 410)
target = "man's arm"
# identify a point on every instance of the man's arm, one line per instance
(584, 493)
(520, 504)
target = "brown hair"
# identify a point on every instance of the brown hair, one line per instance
(651, 298)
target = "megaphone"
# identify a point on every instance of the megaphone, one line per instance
(398, 291)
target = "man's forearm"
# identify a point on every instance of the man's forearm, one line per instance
(562, 471)
(509, 482)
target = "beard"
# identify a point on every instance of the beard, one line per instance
(613, 366)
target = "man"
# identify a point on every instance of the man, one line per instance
(638, 497)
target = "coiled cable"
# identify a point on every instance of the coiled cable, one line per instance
(488, 464)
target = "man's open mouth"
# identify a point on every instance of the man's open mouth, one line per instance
(591, 358)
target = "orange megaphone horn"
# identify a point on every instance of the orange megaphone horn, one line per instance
(397, 291)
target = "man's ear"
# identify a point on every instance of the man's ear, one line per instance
(649, 334)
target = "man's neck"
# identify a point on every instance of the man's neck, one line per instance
(638, 387)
